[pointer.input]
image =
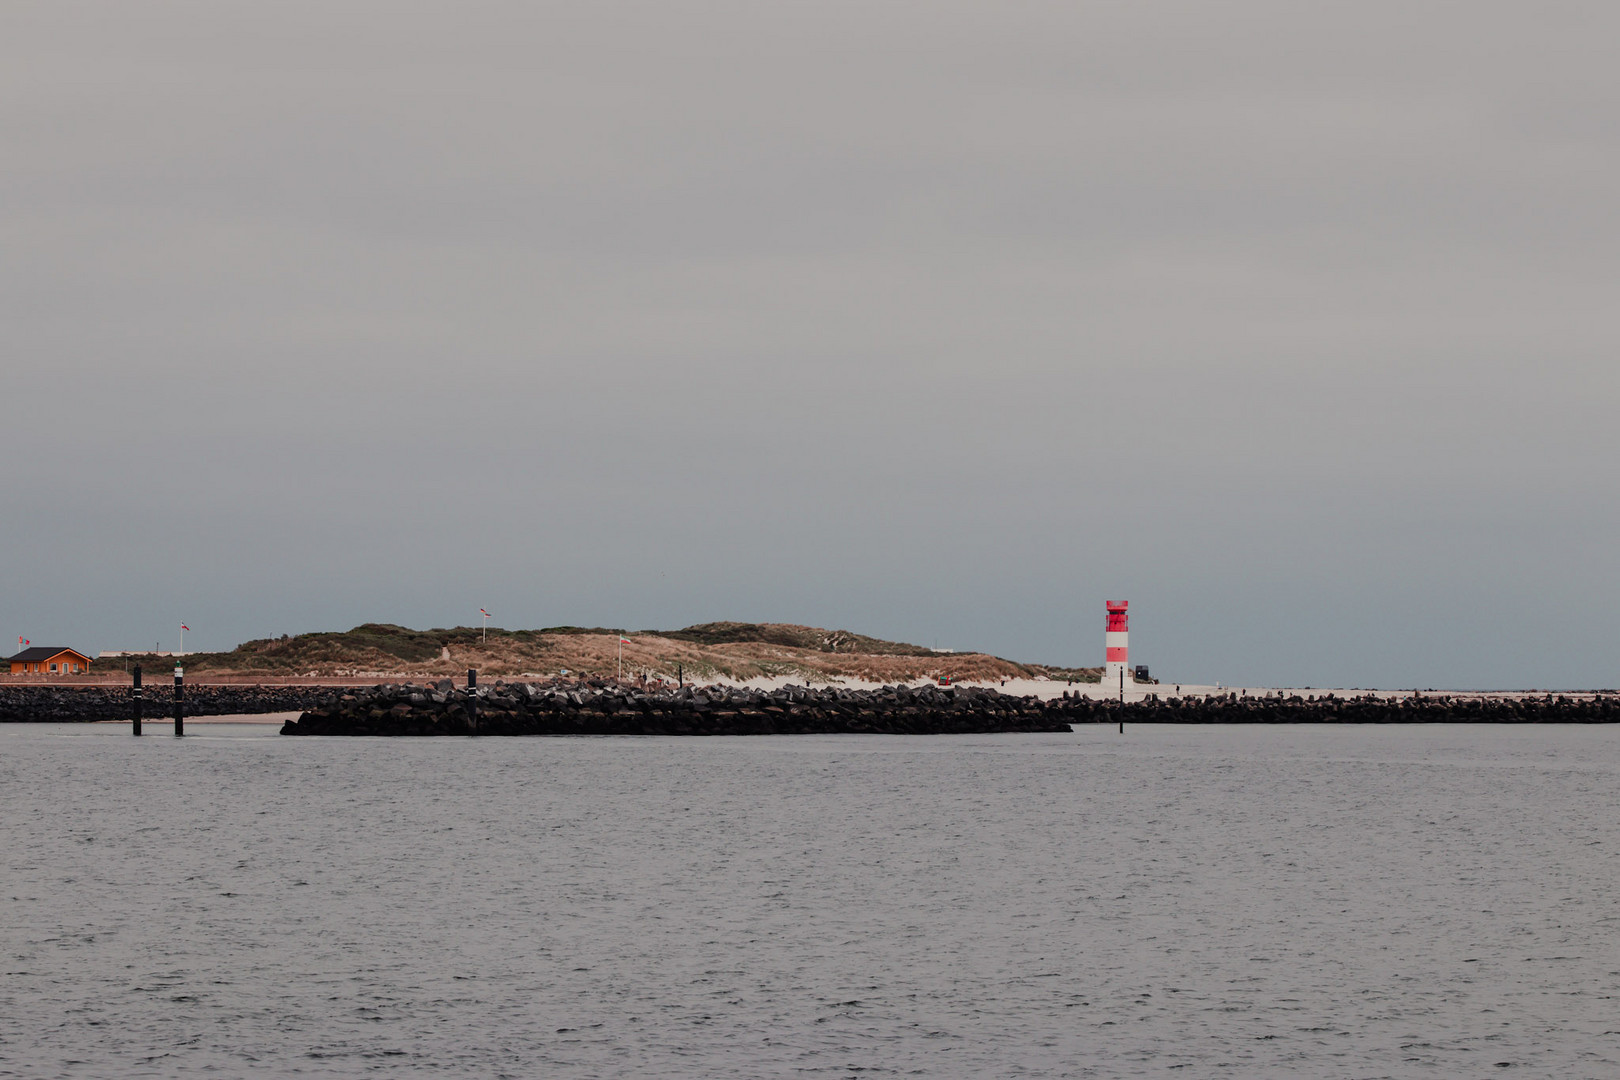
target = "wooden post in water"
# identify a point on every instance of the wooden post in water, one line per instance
(179, 699)
(1122, 700)
(135, 698)
(472, 700)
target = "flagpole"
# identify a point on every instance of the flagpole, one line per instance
(619, 673)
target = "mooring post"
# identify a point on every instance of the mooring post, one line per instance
(1122, 700)
(179, 699)
(472, 700)
(135, 698)
(680, 677)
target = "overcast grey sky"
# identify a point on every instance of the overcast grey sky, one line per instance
(1294, 324)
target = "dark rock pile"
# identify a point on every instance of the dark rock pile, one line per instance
(82, 704)
(1365, 709)
(599, 708)
(606, 709)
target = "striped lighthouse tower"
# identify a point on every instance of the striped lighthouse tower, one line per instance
(1118, 657)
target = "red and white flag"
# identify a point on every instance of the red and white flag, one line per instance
(183, 626)
(624, 641)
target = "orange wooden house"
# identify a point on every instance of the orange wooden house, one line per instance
(41, 660)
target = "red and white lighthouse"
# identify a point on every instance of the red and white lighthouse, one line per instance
(1118, 657)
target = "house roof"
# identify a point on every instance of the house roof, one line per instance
(41, 652)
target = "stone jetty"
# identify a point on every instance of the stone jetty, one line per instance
(597, 708)
(1600, 708)
(86, 704)
(608, 709)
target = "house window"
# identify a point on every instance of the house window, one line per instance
(53, 667)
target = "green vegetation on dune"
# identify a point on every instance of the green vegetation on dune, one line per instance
(794, 637)
(369, 644)
(398, 641)
(733, 649)
(1062, 674)
(583, 630)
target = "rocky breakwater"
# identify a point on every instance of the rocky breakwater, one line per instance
(607, 709)
(1601, 708)
(86, 704)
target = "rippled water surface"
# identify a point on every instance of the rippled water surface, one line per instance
(1317, 902)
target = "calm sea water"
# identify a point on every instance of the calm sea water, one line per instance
(1300, 902)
